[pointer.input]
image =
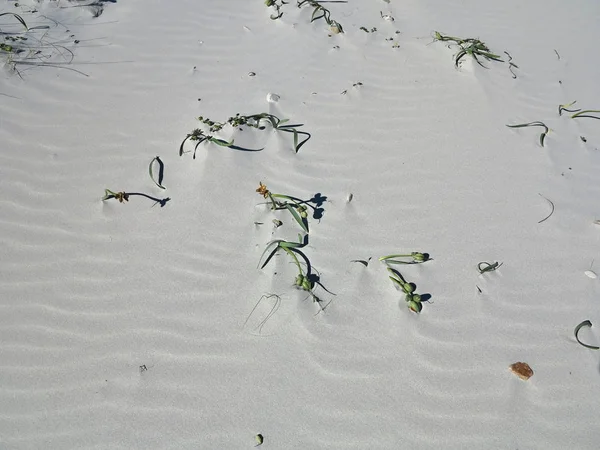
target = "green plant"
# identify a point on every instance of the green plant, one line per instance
(417, 258)
(320, 12)
(277, 7)
(306, 279)
(534, 124)
(413, 300)
(199, 137)
(578, 112)
(257, 121)
(10, 48)
(295, 206)
(564, 107)
(124, 197)
(469, 46)
(484, 267)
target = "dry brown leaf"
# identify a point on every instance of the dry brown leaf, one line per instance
(522, 370)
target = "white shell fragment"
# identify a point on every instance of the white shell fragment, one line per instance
(591, 274)
(272, 98)
(388, 17)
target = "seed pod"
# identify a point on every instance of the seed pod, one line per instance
(306, 284)
(415, 307)
(409, 288)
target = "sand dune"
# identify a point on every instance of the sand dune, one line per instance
(135, 325)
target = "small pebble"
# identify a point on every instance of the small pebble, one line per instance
(272, 98)
(591, 274)
(251, 74)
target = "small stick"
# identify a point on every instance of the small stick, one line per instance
(557, 54)
(551, 212)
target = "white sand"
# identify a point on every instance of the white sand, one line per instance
(91, 290)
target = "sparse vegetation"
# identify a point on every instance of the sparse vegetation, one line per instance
(469, 46)
(258, 121)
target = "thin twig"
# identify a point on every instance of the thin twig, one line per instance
(551, 212)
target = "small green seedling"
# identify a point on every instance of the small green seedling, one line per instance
(534, 124)
(565, 107)
(413, 300)
(469, 46)
(259, 439)
(484, 267)
(277, 7)
(417, 258)
(320, 12)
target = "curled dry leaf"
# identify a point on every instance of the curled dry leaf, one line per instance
(522, 370)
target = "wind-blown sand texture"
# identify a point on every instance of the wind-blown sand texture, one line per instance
(131, 325)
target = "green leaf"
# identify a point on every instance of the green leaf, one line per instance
(161, 168)
(221, 142)
(585, 112)
(415, 306)
(564, 107)
(296, 216)
(533, 124)
(269, 245)
(398, 282)
(585, 323)
(182, 144)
